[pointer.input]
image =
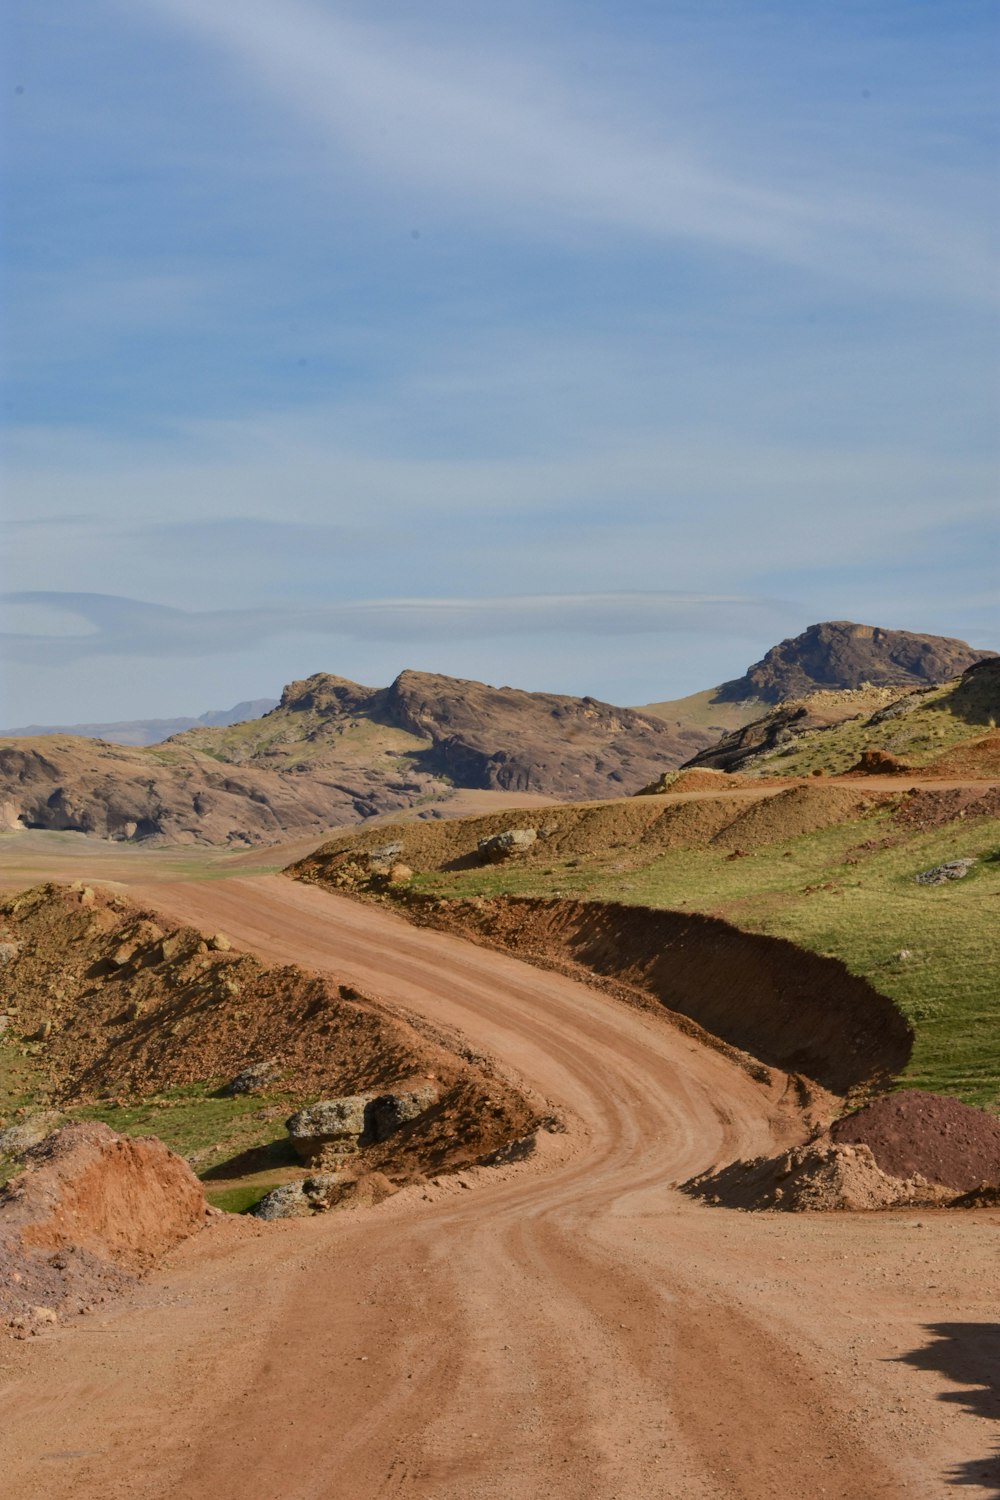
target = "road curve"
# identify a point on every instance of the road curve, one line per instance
(572, 1328)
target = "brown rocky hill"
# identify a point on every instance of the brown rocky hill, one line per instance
(461, 732)
(334, 752)
(839, 654)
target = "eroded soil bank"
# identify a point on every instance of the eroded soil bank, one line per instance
(786, 1007)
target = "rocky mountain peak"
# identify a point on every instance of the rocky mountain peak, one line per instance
(841, 654)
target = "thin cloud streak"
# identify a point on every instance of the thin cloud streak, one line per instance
(109, 625)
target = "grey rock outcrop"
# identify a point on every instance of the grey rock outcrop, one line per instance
(952, 869)
(253, 1078)
(388, 1112)
(330, 1127)
(507, 845)
(300, 1200)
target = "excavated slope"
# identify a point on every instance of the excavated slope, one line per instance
(789, 1008)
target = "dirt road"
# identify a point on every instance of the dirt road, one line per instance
(571, 1327)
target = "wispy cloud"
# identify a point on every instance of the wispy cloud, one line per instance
(107, 625)
(517, 147)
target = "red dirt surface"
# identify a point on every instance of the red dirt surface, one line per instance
(568, 1327)
(942, 1139)
(89, 1206)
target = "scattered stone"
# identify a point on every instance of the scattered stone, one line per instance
(7, 952)
(338, 1123)
(219, 943)
(253, 1078)
(299, 1200)
(507, 845)
(389, 1111)
(952, 869)
(6, 1022)
(43, 1033)
(322, 1192)
(399, 874)
(17, 1139)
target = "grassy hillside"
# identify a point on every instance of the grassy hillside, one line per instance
(702, 711)
(917, 729)
(842, 887)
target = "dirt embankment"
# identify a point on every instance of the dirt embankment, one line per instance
(89, 1213)
(786, 1007)
(111, 1000)
(749, 817)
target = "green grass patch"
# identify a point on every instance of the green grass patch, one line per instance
(200, 1126)
(822, 892)
(236, 1200)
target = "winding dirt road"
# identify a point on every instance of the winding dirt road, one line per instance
(569, 1327)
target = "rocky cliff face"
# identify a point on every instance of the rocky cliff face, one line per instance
(840, 654)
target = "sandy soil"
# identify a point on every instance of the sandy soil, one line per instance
(568, 1327)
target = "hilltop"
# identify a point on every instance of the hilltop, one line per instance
(840, 654)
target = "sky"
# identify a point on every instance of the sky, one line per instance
(582, 345)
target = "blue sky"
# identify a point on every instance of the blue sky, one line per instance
(592, 347)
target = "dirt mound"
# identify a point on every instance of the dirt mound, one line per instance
(786, 1007)
(121, 1004)
(820, 1176)
(925, 808)
(841, 654)
(878, 763)
(678, 782)
(942, 1139)
(91, 1210)
(638, 828)
(790, 813)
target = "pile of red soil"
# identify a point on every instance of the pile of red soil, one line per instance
(91, 1211)
(929, 807)
(942, 1139)
(879, 763)
(823, 1176)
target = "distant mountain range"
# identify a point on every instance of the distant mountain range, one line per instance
(333, 752)
(147, 731)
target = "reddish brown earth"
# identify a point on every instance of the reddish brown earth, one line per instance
(943, 1139)
(135, 1006)
(569, 1326)
(788, 1008)
(90, 1208)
